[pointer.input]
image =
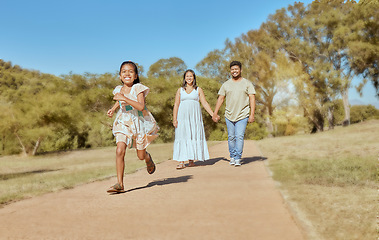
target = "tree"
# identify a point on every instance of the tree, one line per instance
(167, 68)
(314, 37)
(214, 65)
(363, 45)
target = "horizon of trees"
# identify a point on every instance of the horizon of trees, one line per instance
(301, 60)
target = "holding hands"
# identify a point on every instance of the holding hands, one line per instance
(215, 117)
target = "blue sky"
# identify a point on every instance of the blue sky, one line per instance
(95, 36)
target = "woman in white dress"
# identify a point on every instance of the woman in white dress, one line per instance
(190, 143)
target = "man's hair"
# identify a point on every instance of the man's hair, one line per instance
(234, 63)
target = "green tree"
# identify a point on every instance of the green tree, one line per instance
(166, 68)
(363, 44)
(313, 37)
(214, 65)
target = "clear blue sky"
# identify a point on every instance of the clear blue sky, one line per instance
(95, 36)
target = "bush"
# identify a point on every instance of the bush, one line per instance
(359, 113)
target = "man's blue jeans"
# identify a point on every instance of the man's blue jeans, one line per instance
(236, 133)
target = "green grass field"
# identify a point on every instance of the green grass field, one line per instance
(329, 179)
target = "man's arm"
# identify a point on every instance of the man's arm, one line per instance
(252, 107)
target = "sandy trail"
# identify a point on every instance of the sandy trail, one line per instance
(209, 201)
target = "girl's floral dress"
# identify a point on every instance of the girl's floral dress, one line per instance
(135, 128)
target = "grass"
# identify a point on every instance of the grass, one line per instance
(24, 177)
(329, 179)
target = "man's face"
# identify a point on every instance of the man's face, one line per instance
(235, 71)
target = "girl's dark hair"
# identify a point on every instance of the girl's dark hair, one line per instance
(184, 85)
(236, 63)
(135, 70)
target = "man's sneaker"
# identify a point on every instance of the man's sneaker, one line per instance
(237, 162)
(232, 161)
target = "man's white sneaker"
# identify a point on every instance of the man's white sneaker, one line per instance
(237, 162)
(232, 161)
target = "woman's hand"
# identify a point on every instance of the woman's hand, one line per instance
(175, 123)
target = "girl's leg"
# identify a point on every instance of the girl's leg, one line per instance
(141, 154)
(120, 163)
(144, 155)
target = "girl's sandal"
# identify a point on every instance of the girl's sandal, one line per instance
(180, 166)
(150, 165)
(115, 189)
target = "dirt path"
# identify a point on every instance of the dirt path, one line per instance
(209, 201)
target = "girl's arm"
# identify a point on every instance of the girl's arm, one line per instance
(204, 102)
(113, 109)
(175, 110)
(139, 104)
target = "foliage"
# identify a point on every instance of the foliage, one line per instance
(363, 45)
(214, 65)
(48, 113)
(301, 62)
(166, 68)
(360, 113)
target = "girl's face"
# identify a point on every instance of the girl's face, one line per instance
(189, 78)
(128, 74)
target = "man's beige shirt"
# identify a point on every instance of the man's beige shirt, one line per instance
(237, 98)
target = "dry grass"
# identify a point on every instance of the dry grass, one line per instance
(23, 177)
(330, 178)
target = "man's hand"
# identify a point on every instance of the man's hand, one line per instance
(251, 119)
(215, 118)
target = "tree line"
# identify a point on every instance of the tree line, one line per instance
(301, 60)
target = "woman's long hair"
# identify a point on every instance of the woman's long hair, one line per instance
(184, 85)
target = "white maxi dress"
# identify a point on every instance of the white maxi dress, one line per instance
(190, 142)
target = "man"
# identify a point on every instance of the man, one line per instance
(239, 110)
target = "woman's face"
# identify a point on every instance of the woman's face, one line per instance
(127, 74)
(189, 78)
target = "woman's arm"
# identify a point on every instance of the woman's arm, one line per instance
(175, 110)
(220, 100)
(204, 102)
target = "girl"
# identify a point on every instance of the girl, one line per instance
(190, 143)
(134, 126)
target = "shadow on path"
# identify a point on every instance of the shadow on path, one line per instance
(6, 176)
(208, 162)
(164, 181)
(248, 160)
